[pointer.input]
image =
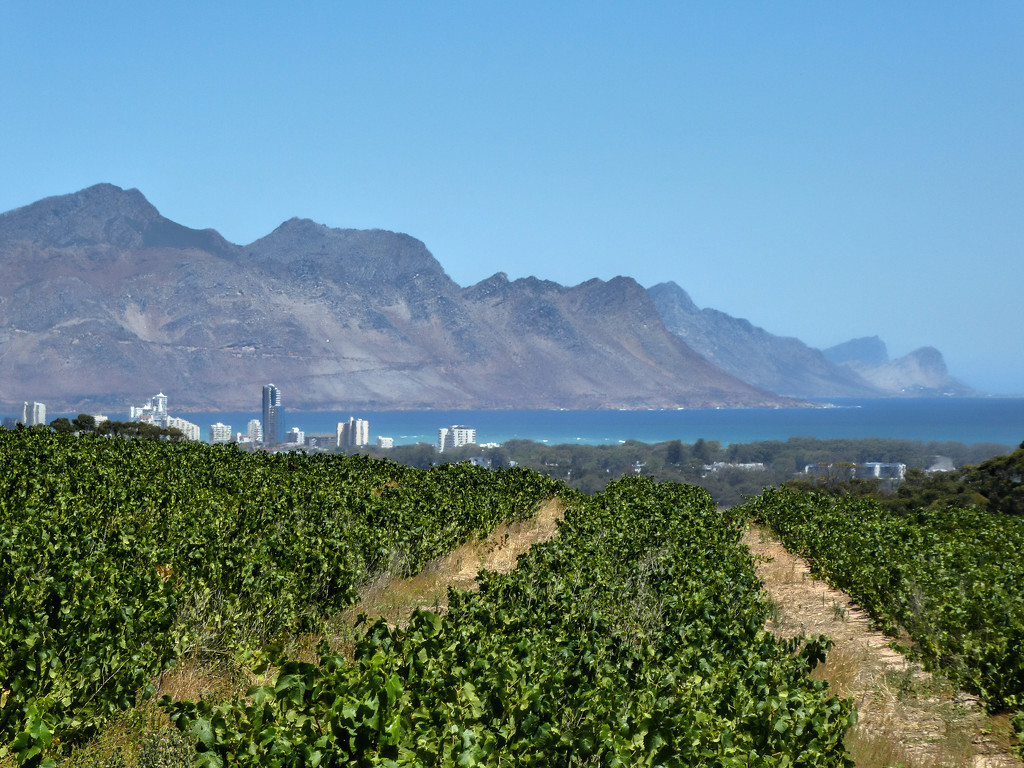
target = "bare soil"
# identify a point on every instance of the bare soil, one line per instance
(907, 716)
(394, 598)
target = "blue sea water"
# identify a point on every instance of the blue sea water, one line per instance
(966, 420)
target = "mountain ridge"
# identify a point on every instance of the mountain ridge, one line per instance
(787, 366)
(107, 301)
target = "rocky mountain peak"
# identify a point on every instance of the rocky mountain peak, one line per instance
(921, 372)
(868, 350)
(672, 300)
(494, 287)
(101, 214)
(618, 294)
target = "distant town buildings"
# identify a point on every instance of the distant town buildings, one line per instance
(33, 414)
(153, 412)
(353, 433)
(878, 470)
(940, 464)
(321, 441)
(273, 414)
(188, 429)
(454, 437)
(220, 433)
(882, 470)
(720, 466)
(385, 442)
(294, 436)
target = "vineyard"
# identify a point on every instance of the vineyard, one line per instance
(948, 579)
(121, 556)
(634, 638)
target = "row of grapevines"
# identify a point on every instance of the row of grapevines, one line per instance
(118, 556)
(952, 578)
(635, 638)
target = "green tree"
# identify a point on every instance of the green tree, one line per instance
(674, 453)
(61, 424)
(83, 422)
(705, 451)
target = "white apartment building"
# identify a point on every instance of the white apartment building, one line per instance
(353, 433)
(33, 413)
(454, 437)
(220, 433)
(255, 431)
(385, 442)
(190, 430)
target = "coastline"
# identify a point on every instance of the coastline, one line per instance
(966, 420)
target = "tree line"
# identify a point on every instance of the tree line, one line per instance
(728, 472)
(83, 423)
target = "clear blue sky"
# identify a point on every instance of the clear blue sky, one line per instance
(826, 170)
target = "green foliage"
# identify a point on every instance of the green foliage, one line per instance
(996, 484)
(950, 577)
(1000, 480)
(634, 638)
(1017, 723)
(119, 556)
(84, 423)
(61, 424)
(589, 468)
(128, 429)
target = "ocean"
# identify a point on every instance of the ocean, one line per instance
(967, 420)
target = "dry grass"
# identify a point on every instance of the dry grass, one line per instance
(393, 598)
(121, 738)
(906, 716)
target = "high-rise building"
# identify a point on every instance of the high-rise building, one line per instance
(190, 430)
(33, 414)
(273, 415)
(454, 437)
(220, 433)
(353, 433)
(255, 431)
(153, 412)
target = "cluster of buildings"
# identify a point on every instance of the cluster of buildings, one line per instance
(31, 414)
(155, 412)
(868, 470)
(354, 433)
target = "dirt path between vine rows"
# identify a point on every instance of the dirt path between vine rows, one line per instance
(393, 598)
(906, 716)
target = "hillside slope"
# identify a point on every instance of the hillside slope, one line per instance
(106, 302)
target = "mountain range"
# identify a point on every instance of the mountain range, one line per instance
(104, 302)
